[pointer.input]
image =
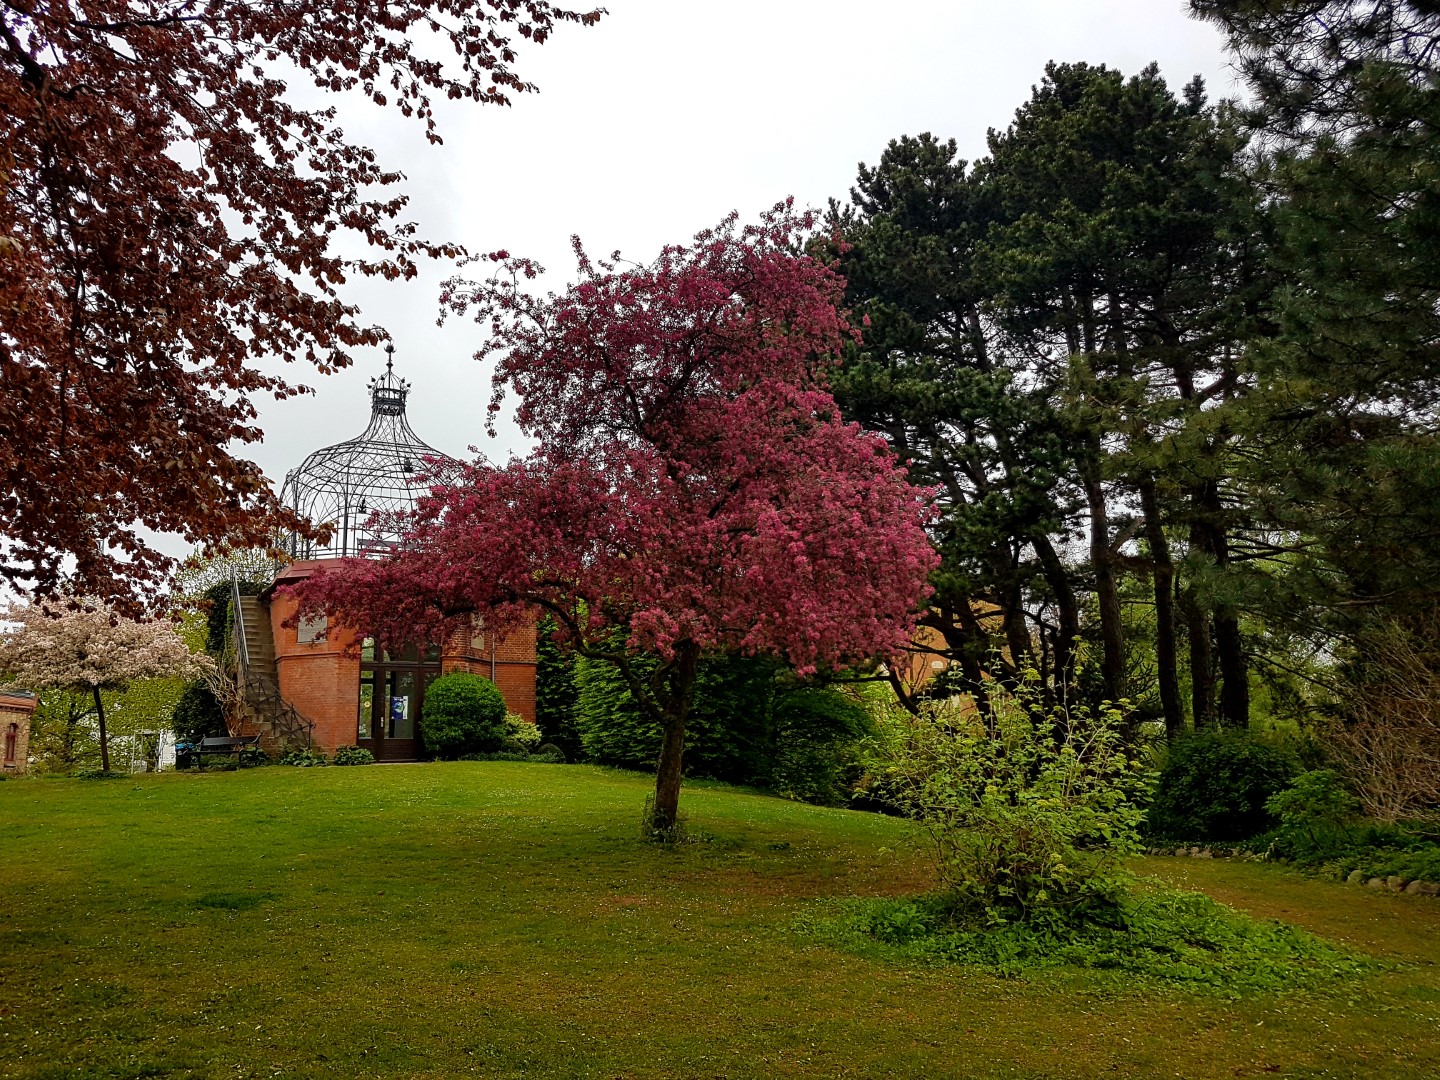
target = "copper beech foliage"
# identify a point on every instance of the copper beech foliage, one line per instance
(170, 216)
(693, 486)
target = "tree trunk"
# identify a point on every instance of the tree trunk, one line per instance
(104, 739)
(1067, 611)
(1112, 633)
(1234, 670)
(1166, 660)
(674, 700)
(1202, 663)
(667, 776)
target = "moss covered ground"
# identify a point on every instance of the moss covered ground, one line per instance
(504, 919)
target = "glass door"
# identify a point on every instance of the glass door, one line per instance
(392, 692)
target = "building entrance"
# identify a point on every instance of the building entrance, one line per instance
(392, 693)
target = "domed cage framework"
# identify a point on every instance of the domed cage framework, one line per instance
(348, 484)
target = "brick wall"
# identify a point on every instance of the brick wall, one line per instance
(317, 678)
(15, 709)
(509, 663)
(322, 682)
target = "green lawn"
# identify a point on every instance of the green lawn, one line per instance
(503, 919)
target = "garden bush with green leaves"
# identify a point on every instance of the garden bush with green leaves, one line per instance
(1321, 829)
(523, 733)
(1215, 787)
(1032, 811)
(304, 758)
(463, 714)
(353, 755)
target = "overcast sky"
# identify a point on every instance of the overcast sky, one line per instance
(668, 115)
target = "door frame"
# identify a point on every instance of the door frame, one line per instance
(380, 671)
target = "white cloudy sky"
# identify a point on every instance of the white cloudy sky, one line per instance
(669, 114)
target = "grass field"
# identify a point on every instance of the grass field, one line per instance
(500, 919)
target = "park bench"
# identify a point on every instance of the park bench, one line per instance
(221, 744)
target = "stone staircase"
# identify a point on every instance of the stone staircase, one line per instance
(266, 713)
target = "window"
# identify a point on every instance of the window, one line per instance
(12, 735)
(312, 629)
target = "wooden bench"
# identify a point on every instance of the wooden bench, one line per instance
(221, 744)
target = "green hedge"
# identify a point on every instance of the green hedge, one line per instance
(463, 714)
(751, 724)
(1215, 786)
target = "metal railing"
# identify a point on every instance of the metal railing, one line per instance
(242, 649)
(260, 690)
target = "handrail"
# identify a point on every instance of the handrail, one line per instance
(242, 650)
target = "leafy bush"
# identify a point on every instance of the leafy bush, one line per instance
(251, 756)
(197, 714)
(1315, 814)
(1166, 935)
(817, 738)
(463, 714)
(551, 753)
(727, 733)
(1215, 787)
(1031, 819)
(306, 758)
(555, 691)
(522, 732)
(1321, 830)
(353, 755)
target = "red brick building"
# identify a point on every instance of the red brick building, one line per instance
(15, 711)
(317, 684)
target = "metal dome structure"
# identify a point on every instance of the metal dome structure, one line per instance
(345, 485)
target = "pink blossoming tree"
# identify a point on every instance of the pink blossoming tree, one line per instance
(88, 648)
(692, 489)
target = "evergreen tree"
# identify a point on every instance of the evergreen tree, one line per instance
(1343, 465)
(930, 376)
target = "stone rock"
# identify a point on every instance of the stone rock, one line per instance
(1204, 853)
(1375, 883)
(1355, 878)
(1427, 888)
(1414, 887)
(1394, 882)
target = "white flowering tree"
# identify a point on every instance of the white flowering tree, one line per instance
(87, 648)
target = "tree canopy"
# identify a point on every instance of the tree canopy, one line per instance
(170, 216)
(85, 647)
(693, 486)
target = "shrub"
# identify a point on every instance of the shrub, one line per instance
(727, 732)
(817, 736)
(304, 758)
(197, 714)
(1315, 814)
(1389, 746)
(250, 757)
(353, 755)
(463, 714)
(550, 753)
(555, 690)
(521, 731)
(1215, 787)
(1031, 819)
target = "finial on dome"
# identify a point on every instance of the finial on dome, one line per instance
(388, 393)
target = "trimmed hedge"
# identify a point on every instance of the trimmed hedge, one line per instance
(463, 714)
(1215, 787)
